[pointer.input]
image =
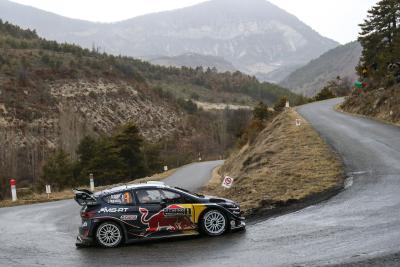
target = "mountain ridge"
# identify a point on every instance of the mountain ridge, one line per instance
(258, 37)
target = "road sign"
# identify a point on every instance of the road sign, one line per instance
(228, 182)
(165, 168)
(48, 189)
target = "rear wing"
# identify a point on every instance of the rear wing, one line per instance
(85, 197)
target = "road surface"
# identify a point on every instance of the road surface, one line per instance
(200, 171)
(361, 224)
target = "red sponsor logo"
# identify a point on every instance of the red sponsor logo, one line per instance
(170, 220)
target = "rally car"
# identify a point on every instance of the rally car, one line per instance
(153, 210)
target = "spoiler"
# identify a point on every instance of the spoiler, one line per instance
(85, 197)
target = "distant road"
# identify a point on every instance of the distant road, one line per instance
(359, 226)
(193, 176)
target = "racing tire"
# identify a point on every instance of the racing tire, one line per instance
(109, 235)
(214, 223)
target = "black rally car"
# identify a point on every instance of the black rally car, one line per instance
(153, 210)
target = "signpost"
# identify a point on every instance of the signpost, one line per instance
(48, 190)
(13, 184)
(165, 168)
(227, 182)
(91, 182)
(298, 122)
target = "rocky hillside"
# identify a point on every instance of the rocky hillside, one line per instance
(382, 104)
(256, 36)
(52, 95)
(311, 78)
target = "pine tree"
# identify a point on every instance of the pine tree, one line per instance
(280, 104)
(261, 112)
(86, 149)
(379, 36)
(128, 143)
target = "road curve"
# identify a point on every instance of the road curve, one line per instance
(193, 176)
(357, 225)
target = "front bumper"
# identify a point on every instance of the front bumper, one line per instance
(238, 224)
(83, 241)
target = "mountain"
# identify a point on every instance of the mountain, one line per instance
(311, 78)
(256, 36)
(193, 60)
(52, 95)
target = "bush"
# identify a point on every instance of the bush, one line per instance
(325, 94)
(188, 105)
(280, 104)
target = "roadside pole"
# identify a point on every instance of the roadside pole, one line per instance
(13, 184)
(91, 182)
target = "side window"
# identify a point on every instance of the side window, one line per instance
(123, 198)
(149, 196)
(172, 197)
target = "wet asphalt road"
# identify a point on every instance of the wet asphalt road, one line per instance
(361, 224)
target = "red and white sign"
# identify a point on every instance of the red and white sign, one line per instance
(228, 182)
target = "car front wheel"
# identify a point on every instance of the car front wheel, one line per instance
(214, 223)
(109, 235)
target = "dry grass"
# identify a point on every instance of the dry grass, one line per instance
(68, 194)
(285, 163)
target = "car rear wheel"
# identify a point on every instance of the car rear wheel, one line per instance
(109, 235)
(214, 223)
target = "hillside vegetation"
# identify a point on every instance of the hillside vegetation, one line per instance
(383, 104)
(53, 95)
(377, 94)
(194, 60)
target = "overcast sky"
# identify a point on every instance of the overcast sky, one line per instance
(336, 19)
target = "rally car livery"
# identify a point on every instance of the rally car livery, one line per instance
(149, 211)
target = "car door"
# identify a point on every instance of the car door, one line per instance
(150, 208)
(179, 209)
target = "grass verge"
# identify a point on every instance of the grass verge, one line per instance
(285, 164)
